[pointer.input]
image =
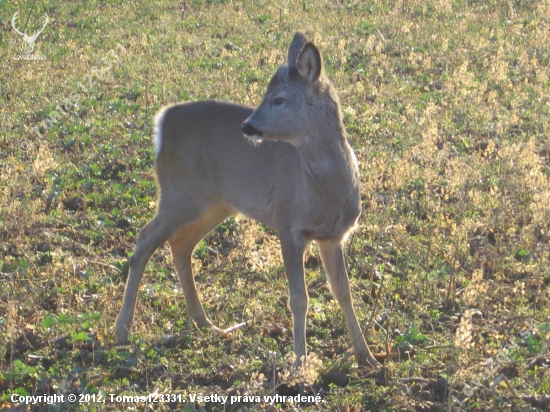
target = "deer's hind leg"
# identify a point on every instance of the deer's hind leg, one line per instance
(166, 223)
(182, 245)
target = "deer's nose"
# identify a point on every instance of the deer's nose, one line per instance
(250, 130)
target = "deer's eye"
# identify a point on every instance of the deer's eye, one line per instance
(277, 101)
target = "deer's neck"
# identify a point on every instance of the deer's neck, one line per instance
(329, 167)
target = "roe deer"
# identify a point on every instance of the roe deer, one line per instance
(296, 172)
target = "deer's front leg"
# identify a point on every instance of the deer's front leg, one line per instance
(293, 256)
(333, 260)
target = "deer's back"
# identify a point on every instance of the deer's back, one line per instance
(203, 151)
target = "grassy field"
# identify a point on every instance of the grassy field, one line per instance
(447, 105)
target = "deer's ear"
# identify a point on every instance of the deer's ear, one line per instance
(309, 63)
(297, 44)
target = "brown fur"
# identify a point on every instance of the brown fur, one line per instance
(299, 176)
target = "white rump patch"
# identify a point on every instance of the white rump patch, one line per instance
(159, 118)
